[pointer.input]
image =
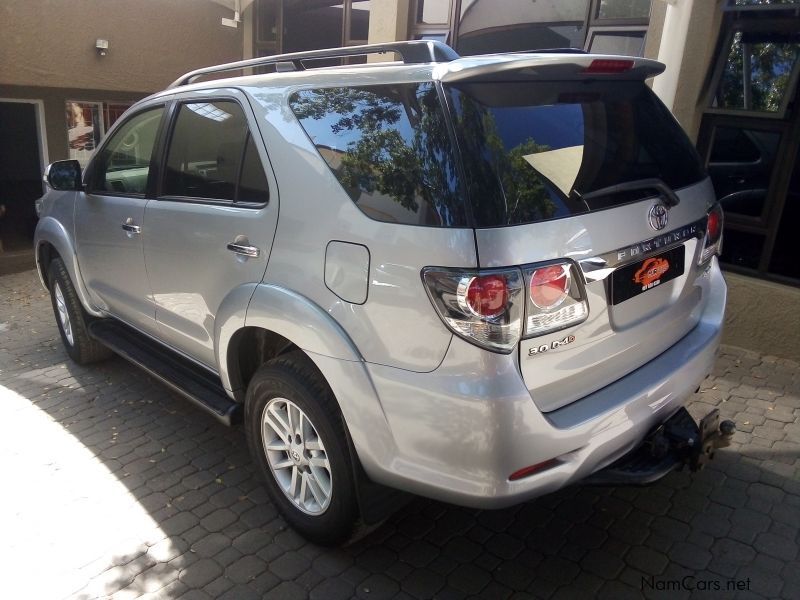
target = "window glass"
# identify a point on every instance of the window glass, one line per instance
(740, 165)
(624, 9)
(531, 151)
(253, 182)
(433, 12)
(389, 148)
(758, 71)
(742, 249)
(623, 43)
(312, 25)
(84, 129)
(500, 26)
(267, 21)
(205, 150)
(124, 162)
(761, 2)
(359, 20)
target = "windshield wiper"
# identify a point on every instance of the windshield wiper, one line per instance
(670, 198)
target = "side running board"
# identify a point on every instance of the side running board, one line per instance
(192, 381)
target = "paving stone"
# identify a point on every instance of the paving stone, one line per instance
(289, 566)
(200, 573)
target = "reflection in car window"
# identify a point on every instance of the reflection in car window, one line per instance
(532, 150)
(124, 162)
(389, 147)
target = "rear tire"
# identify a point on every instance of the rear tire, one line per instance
(71, 318)
(296, 436)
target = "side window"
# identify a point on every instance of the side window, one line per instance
(389, 147)
(211, 151)
(124, 162)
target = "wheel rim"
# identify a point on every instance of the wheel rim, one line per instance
(296, 456)
(63, 316)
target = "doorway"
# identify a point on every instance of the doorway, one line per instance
(749, 140)
(21, 167)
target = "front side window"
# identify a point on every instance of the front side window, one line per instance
(123, 164)
(210, 152)
(389, 147)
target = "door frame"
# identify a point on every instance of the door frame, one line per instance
(41, 129)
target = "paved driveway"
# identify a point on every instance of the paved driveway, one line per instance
(113, 486)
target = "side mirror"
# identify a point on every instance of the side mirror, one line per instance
(64, 175)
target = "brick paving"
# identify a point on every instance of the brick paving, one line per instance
(113, 486)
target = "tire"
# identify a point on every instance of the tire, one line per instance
(281, 385)
(71, 318)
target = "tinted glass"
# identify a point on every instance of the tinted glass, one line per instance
(624, 9)
(312, 25)
(502, 26)
(625, 44)
(124, 162)
(359, 20)
(205, 151)
(389, 148)
(253, 183)
(758, 71)
(433, 12)
(532, 150)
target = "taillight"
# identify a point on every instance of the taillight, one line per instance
(483, 307)
(608, 66)
(712, 242)
(556, 298)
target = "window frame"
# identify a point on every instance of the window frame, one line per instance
(168, 133)
(614, 30)
(719, 68)
(89, 173)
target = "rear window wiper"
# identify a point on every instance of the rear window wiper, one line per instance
(670, 197)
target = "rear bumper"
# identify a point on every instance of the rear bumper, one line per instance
(461, 430)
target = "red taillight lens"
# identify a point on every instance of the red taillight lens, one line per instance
(487, 296)
(549, 286)
(714, 226)
(533, 469)
(712, 244)
(608, 66)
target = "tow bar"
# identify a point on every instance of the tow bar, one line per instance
(677, 443)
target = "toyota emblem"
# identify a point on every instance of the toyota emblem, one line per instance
(658, 216)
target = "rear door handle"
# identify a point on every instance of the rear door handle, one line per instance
(130, 227)
(244, 250)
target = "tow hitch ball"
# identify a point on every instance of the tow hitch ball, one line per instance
(694, 442)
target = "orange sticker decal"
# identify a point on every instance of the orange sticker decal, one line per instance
(649, 275)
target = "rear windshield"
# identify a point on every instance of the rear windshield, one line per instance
(530, 151)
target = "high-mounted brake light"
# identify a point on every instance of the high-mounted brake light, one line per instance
(483, 307)
(600, 66)
(712, 242)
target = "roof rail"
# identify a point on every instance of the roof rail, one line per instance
(412, 52)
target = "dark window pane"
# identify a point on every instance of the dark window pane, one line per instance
(359, 20)
(499, 26)
(124, 163)
(309, 26)
(741, 249)
(624, 9)
(389, 148)
(434, 12)
(740, 165)
(253, 185)
(205, 150)
(532, 150)
(761, 2)
(267, 21)
(626, 44)
(757, 72)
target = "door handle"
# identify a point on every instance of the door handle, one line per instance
(131, 228)
(244, 250)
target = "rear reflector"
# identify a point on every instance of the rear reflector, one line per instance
(608, 66)
(533, 469)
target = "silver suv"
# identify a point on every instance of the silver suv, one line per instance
(474, 279)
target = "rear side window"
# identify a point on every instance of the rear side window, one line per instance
(123, 164)
(532, 150)
(212, 155)
(389, 147)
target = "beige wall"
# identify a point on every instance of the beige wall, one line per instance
(51, 43)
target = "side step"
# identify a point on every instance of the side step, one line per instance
(192, 381)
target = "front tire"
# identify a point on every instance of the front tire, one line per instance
(71, 318)
(297, 438)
